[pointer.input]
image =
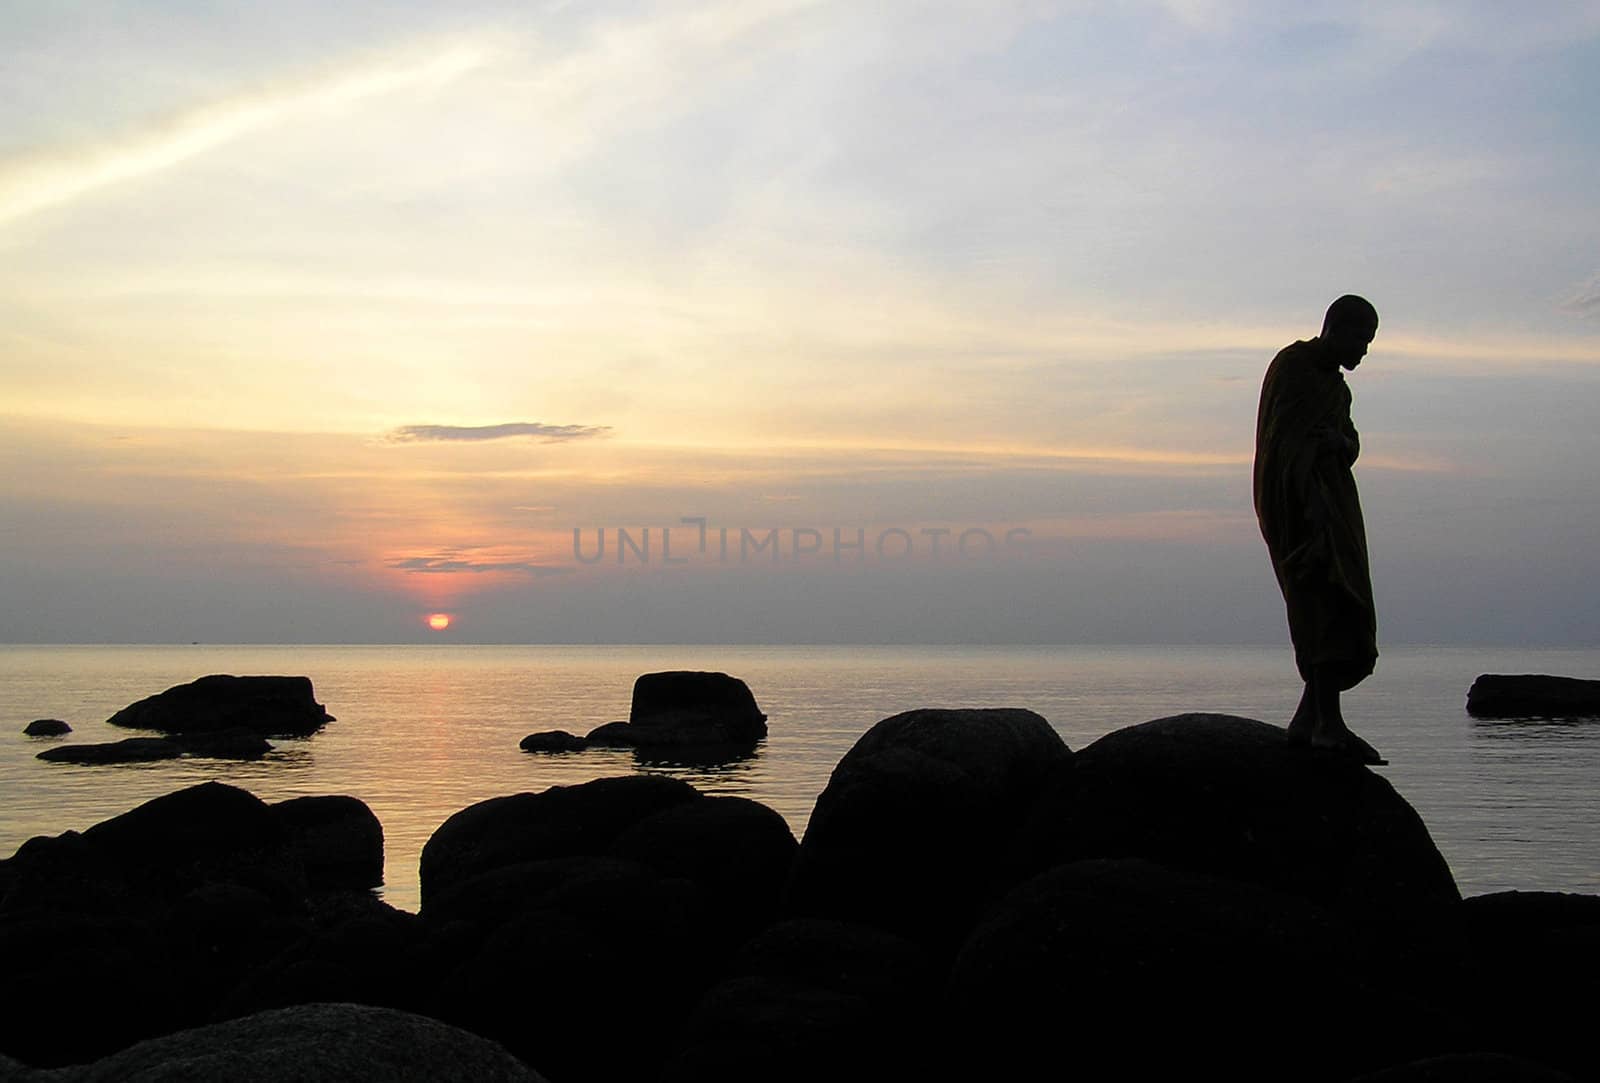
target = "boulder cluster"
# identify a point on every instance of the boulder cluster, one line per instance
(1190, 897)
(216, 717)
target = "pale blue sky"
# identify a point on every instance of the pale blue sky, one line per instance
(804, 265)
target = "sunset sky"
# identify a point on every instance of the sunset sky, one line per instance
(317, 319)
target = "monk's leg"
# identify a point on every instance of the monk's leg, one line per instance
(1329, 730)
(1304, 721)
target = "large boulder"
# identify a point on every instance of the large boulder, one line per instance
(911, 833)
(145, 860)
(1229, 797)
(1496, 695)
(344, 1042)
(338, 839)
(212, 832)
(139, 923)
(545, 905)
(1505, 965)
(1127, 970)
(738, 850)
(538, 954)
(80, 986)
(268, 706)
(46, 727)
(357, 949)
(812, 999)
(563, 821)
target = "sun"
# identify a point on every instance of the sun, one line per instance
(438, 621)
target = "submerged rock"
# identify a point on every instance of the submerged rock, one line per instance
(127, 750)
(553, 741)
(268, 706)
(1495, 695)
(234, 744)
(46, 727)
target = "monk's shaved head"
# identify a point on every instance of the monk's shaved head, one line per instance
(1352, 312)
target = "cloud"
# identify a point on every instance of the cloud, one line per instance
(547, 434)
(34, 181)
(459, 566)
(1585, 300)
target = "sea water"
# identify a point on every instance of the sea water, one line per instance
(425, 730)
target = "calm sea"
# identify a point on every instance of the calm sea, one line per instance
(423, 731)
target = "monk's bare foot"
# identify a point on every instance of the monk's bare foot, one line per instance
(1299, 732)
(1349, 746)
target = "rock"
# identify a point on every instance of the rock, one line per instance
(1157, 974)
(358, 949)
(546, 948)
(686, 708)
(229, 744)
(781, 1031)
(912, 831)
(1503, 964)
(1228, 797)
(79, 987)
(665, 696)
(234, 744)
(551, 903)
(46, 727)
(739, 850)
(127, 750)
(1468, 1068)
(562, 821)
(1496, 695)
(553, 741)
(810, 999)
(338, 839)
(345, 1042)
(611, 735)
(269, 706)
(206, 833)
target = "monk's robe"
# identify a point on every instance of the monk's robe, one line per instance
(1310, 514)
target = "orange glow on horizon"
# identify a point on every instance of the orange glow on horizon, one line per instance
(439, 621)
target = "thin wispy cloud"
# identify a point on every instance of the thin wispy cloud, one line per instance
(1585, 300)
(544, 434)
(460, 566)
(48, 177)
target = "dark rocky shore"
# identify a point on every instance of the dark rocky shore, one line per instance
(1185, 898)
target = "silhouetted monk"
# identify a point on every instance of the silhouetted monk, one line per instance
(1310, 516)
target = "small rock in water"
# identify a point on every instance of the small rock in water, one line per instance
(127, 750)
(1533, 695)
(227, 745)
(553, 741)
(46, 727)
